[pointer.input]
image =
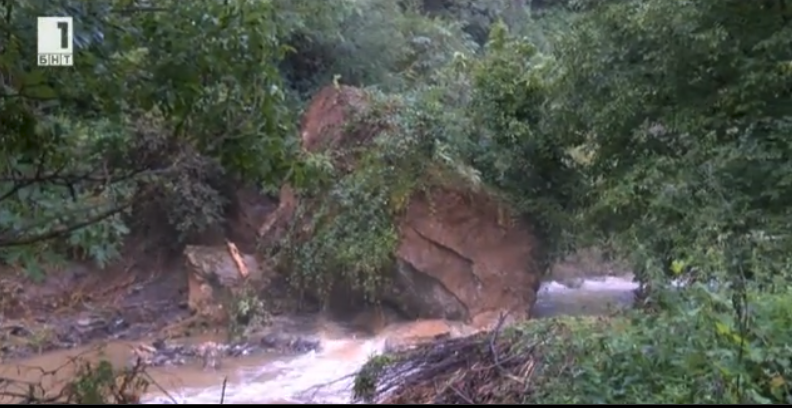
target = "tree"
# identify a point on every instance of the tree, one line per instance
(160, 98)
(685, 105)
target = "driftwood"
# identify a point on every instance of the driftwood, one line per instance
(486, 368)
(238, 261)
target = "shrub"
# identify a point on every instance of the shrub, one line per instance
(699, 353)
(351, 217)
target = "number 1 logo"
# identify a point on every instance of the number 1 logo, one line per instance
(55, 41)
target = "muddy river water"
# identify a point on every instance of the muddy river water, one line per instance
(316, 377)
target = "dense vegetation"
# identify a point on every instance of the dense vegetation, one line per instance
(654, 128)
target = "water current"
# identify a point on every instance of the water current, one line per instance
(324, 377)
(305, 379)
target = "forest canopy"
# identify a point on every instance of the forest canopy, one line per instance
(655, 128)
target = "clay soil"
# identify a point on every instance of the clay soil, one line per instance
(143, 294)
(80, 303)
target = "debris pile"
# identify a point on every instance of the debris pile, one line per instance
(487, 368)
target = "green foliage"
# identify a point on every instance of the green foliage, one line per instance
(80, 381)
(207, 103)
(246, 313)
(478, 121)
(351, 235)
(374, 42)
(512, 147)
(476, 16)
(365, 386)
(665, 127)
(697, 353)
(202, 101)
(655, 125)
(683, 106)
(58, 185)
(101, 383)
(660, 127)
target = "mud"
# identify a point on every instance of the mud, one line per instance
(135, 300)
(81, 305)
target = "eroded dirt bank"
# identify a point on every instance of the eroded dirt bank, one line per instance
(80, 304)
(138, 306)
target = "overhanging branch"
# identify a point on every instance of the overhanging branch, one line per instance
(20, 239)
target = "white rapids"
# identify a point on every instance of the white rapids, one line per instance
(325, 377)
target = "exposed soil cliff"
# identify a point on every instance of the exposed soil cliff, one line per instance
(459, 255)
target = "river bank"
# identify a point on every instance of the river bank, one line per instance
(584, 345)
(692, 351)
(78, 305)
(321, 376)
(327, 376)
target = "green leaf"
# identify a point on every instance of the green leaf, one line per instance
(40, 92)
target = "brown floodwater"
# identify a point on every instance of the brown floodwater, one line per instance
(52, 369)
(321, 377)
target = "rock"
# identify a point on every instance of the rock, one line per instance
(289, 344)
(213, 277)
(248, 210)
(323, 125)
(210, 354)
(144, 354)
(460, 241)
(17, 330)
(419, 295)
(371, 321)
(161, 353)
(461, 256)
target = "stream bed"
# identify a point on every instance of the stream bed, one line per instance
(296, 380)
(323, 377)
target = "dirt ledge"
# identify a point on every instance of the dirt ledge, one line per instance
(81, 304)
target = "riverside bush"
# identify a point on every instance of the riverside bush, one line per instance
(697, 353)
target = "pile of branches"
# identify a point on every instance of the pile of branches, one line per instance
(85, 382)
(487, 368)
